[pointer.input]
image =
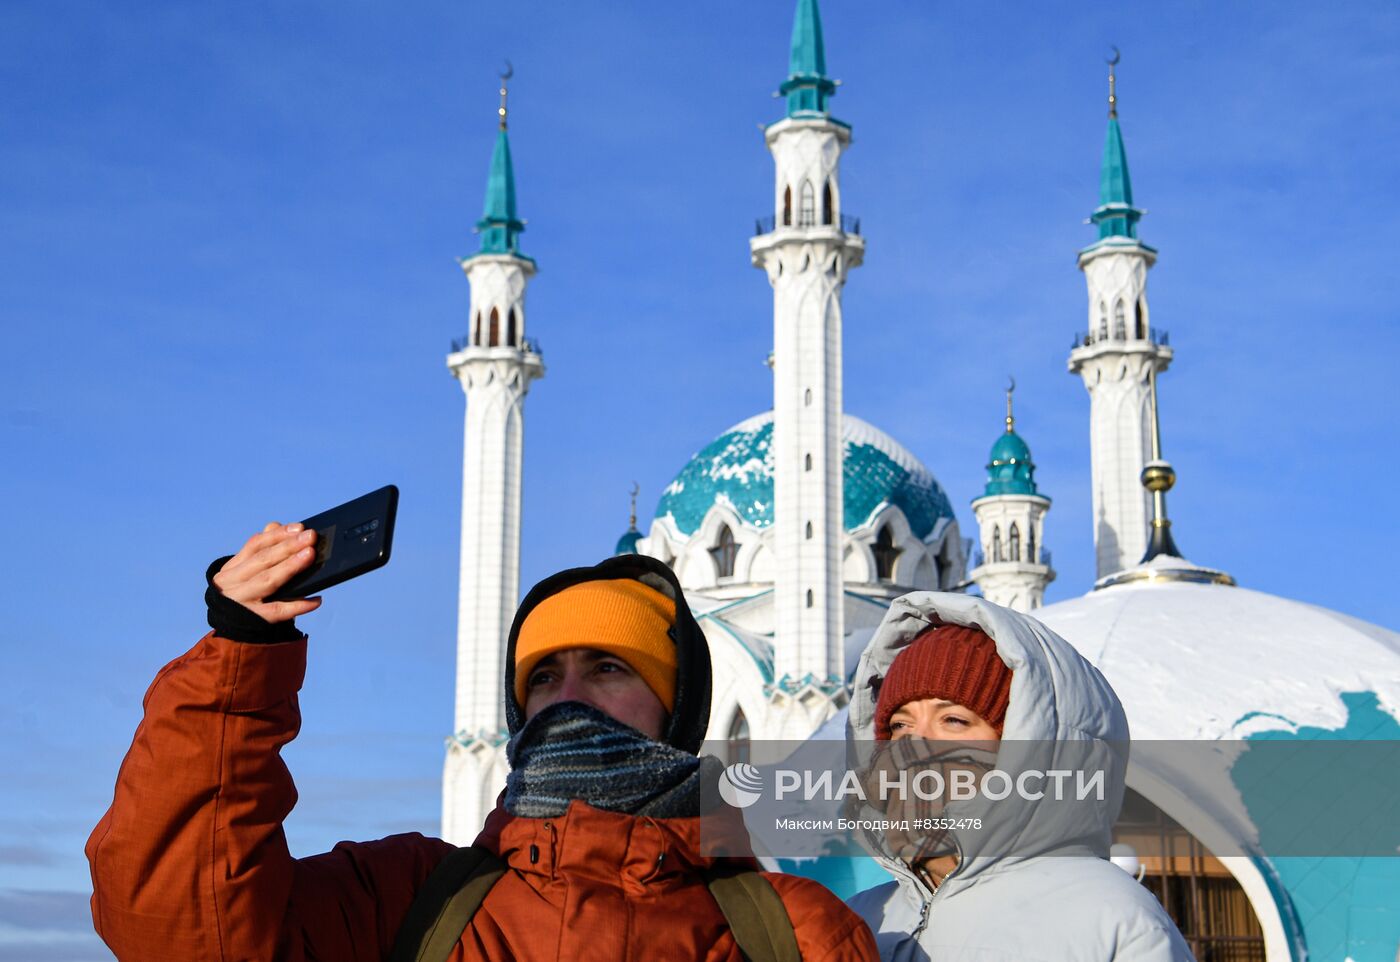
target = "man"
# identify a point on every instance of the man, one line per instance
(607, 691)
(1032, 880)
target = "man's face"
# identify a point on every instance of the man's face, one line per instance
(599, 679)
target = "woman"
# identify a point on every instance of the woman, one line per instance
(1033, 881)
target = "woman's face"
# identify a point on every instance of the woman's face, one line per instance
(599, 679)
(936, 719)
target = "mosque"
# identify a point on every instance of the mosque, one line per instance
(793, 530)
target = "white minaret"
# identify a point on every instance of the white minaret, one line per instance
(1115, 358)
(806, 251)
(495, 367)
(1015, 566)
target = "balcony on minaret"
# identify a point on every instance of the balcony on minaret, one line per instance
(808, 220)
(834, 232)
(1108, 339)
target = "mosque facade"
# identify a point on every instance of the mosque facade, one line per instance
(793, 530)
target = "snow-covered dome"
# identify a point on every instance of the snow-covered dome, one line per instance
(1206, 661)
(1222, 664)
(737, 469)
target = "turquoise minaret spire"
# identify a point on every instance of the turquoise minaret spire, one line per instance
(1116, 216)
(807, 87)
(1010, 469)
(499, 226)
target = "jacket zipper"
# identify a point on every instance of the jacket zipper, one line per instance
(933, 893)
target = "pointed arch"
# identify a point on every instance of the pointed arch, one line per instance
(810, 598)
(1120, 328)
(809, 531)
(996, 542)
(1103, 321)
(885, 554)
(807, 209)
(738, 737)
(1031, 556)
(1015, 540)
(510, 328)
(826, 202)
(476, 330)
(807, 462)
(724, 552)
(1140, 320)
(787, 206)
(495, 324)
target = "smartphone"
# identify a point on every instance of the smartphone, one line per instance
(350, 539)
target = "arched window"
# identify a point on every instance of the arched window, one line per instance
(724, 552)
(1138, 325)
(1030, 547)
(510, 328)
(807, 213)
(885, 552)
(1120, 330)
(1015, 542)
(807, 398)
(1103, 321)
(809, 531)
(996, 542)
(809, 597)
(826, 202)
(787, 206)
(738, 737)
(495, 328)
(808, 462)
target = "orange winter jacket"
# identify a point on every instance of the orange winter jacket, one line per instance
(190, 863)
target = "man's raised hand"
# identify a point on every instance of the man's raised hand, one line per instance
(269, 559)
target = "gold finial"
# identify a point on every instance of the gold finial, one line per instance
(1010, 420)
(1112, 93)
(1158, 477)
(632, 519)
(501, 112)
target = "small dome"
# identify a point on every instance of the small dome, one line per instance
(737, 469)
(627, 544)
(1010, 469)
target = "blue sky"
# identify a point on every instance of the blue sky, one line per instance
(229, 237)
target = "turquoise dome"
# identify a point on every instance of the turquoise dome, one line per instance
(627, 544)
(1011, 470)
(736, 469)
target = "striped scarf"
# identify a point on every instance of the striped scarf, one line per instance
(574, 751)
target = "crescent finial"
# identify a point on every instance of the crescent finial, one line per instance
(1112, 92)
(501, 111)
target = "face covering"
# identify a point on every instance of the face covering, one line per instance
(574, 751)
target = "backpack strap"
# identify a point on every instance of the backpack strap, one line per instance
(756, 915)
(445, 904)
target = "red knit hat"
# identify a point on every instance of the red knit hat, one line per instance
(951, 662)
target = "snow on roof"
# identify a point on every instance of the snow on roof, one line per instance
(1194, 661)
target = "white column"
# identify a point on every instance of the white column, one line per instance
(806, 256)
(495, 370)
(1113, 362)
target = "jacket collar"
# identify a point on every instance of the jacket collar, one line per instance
(608, 847)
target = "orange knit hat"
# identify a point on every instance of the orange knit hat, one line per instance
(619, 615)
